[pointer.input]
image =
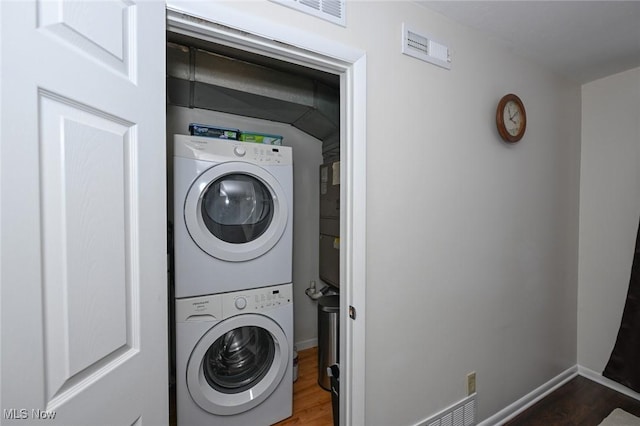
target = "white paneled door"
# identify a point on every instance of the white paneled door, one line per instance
(83, 216)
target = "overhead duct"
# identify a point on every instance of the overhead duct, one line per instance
(200, 79)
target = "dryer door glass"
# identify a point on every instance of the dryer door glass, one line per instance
(239, 359)
(237, 208)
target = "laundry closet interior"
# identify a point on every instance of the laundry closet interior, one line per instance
(224, 87)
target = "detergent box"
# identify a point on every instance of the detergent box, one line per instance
(261, 138)
(213, 131)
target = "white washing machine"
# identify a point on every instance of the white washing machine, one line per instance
(234, 358)
(233, 215)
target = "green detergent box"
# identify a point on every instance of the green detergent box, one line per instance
(213, 131)
(265, 138)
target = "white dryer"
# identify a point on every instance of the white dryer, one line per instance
(233, 215)
(234, 358)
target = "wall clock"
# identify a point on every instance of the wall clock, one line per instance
(511, 118)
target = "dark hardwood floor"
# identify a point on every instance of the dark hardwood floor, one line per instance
(580, 402)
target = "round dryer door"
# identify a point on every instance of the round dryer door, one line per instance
(236, 211)
(237, 364)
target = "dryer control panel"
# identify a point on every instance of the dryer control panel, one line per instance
(220, 150)
(216, 307)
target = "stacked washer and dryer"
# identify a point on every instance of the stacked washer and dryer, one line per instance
(233, 206)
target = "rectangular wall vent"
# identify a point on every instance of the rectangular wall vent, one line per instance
(463, 413)
(425, 48)
(329, 10)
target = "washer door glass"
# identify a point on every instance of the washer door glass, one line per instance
(236, 211)
(237, 208)
(239, 359)
(238, 363)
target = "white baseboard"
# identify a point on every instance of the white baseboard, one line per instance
(306, 344)
(599, 378)
(531, 398)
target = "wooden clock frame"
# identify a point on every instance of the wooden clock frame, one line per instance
(501, 125)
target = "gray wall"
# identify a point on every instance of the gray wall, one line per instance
(472, 244)
(307, 156)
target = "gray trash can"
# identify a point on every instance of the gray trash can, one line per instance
(328, 337)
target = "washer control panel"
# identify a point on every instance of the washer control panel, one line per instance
(216, 307)
(256, 300)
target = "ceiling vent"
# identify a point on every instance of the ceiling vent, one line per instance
(329, 10)
(425, 48)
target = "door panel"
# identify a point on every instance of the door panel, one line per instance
(86, 218)
(100, 29)
(83, 213)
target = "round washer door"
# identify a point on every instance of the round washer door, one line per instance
(236, 211)
(237, 364)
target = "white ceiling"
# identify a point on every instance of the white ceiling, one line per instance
(584, 40)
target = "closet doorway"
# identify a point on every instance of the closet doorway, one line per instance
(225, 26)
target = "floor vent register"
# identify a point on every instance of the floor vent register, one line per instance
(463, 413)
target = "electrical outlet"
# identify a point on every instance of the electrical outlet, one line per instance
(471, 383)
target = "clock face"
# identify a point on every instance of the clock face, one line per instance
(511, 118)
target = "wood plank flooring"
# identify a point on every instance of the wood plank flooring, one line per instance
(311, 403)
(580, 402)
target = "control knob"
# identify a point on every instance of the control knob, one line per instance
(239, 151)
(241, 303)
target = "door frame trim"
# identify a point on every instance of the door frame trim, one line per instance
(229, 26)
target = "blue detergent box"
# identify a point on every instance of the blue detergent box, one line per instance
(212, 131)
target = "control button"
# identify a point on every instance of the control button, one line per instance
(239, 151)
(241, 303)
